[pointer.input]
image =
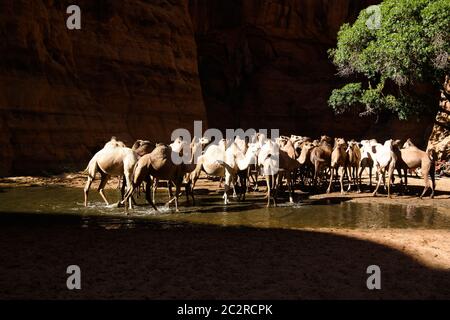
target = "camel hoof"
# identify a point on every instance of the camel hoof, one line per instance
(374, 194)
(359, 191)
(328, 190)
(115, 205)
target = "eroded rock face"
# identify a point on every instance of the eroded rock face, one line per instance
(264, 64)
(440, 136)
(131, 71)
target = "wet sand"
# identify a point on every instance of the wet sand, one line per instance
(206, 262)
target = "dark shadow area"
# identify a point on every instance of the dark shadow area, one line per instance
(186, 261)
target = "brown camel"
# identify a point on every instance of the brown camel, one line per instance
(354, 160)
(321, 156)
(157, 164)
(411, 157)
(142, 147)
(339, 159)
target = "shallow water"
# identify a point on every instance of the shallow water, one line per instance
(47, 204)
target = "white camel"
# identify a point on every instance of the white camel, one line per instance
(236, 160)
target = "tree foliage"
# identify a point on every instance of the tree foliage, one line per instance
(409, 47)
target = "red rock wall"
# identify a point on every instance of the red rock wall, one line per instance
(264, 64)
(131, 71)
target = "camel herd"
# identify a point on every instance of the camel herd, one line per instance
(239, 164)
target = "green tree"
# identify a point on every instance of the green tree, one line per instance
(395, 51)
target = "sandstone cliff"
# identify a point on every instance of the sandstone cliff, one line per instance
(440, 136)
(139, 69)
(264, 64)
(131, 71)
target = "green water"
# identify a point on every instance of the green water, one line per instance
(326, 213)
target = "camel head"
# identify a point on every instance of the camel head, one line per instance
(326, 139)
(142, 147)
(282, 140)
(396, 143)
(352, 145)
(203, 141)
(340, 143)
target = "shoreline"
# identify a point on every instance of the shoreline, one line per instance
(415, 186)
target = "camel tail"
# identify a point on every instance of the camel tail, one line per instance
(91, 168)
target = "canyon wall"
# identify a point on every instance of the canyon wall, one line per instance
(264, 64)
(139, 69)
(131, 71)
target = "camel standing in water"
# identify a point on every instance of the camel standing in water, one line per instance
(157, 165)
(115, 159)
(411, 157)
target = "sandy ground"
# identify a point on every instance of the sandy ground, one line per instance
(206, 262)
(195, 262)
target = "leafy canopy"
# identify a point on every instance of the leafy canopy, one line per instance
(409, 47)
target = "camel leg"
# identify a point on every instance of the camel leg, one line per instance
(390, 174)
(341, 179)
(289, 184)
(361, 170)
(358, 179)
(370, 176)
(331, 180)
(433, 182)
(351, 178)
(86, 190)
(227, 187)
(103, 181)
(155, 187)
(426, 181)
(128, 180)
(177, 192)
(268, 190)
(380, 176)
(275, 180)
(148, 192)
(169, 189)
